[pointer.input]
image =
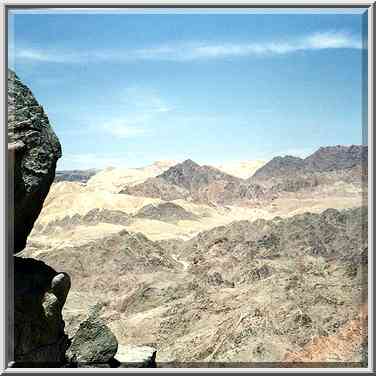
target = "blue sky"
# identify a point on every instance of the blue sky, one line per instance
(126, 89)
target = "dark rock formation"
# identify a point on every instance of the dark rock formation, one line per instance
(33, 150)
(280, 167)
(39, 296)
(331, 163)
(202, 184)
(337, 158)
(192, 176)
(39, 291)
(94, 343)
(81, 176)
(91, 218)
(167, 212)
(332, 234)
(157, 188)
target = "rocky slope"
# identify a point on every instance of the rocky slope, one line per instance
(91, 218)
(328, 165)
(338, 157)
(81, 176)
(167, 212)
(201, 184)
(300, 277)
(332, 234)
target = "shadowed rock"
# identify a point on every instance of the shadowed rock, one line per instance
(39, 291)
(33, 150)
(39, 295)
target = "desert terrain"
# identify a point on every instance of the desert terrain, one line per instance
(248, 263)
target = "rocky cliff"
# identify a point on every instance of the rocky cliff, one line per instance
(33, 150)
(39, 291)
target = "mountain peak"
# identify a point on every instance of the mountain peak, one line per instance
(279, 166)
(189, 162)
(336, 157)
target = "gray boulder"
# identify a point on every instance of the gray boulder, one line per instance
(93, 343)
(33, 150)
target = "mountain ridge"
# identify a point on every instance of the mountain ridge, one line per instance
(324, 159)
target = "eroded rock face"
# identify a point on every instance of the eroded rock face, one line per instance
(40, 293)
(33, 151)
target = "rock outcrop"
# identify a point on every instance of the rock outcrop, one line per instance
(40, 294)
(33, 150)
(94, 343)
(39, 291)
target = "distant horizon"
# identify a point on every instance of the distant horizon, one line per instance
(127, 89)
(229, 162)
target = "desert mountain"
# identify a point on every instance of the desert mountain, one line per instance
(280, 167)
(205, 184)
(193, 177)
(201, 184)
(186, 198)
(330, 159)
(81, 176)
(338, 157)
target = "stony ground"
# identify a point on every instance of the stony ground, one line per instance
(251, 291)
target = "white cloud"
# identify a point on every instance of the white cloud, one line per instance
(197, 50)
(122, 130)
(133, 113)
(332, 40)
